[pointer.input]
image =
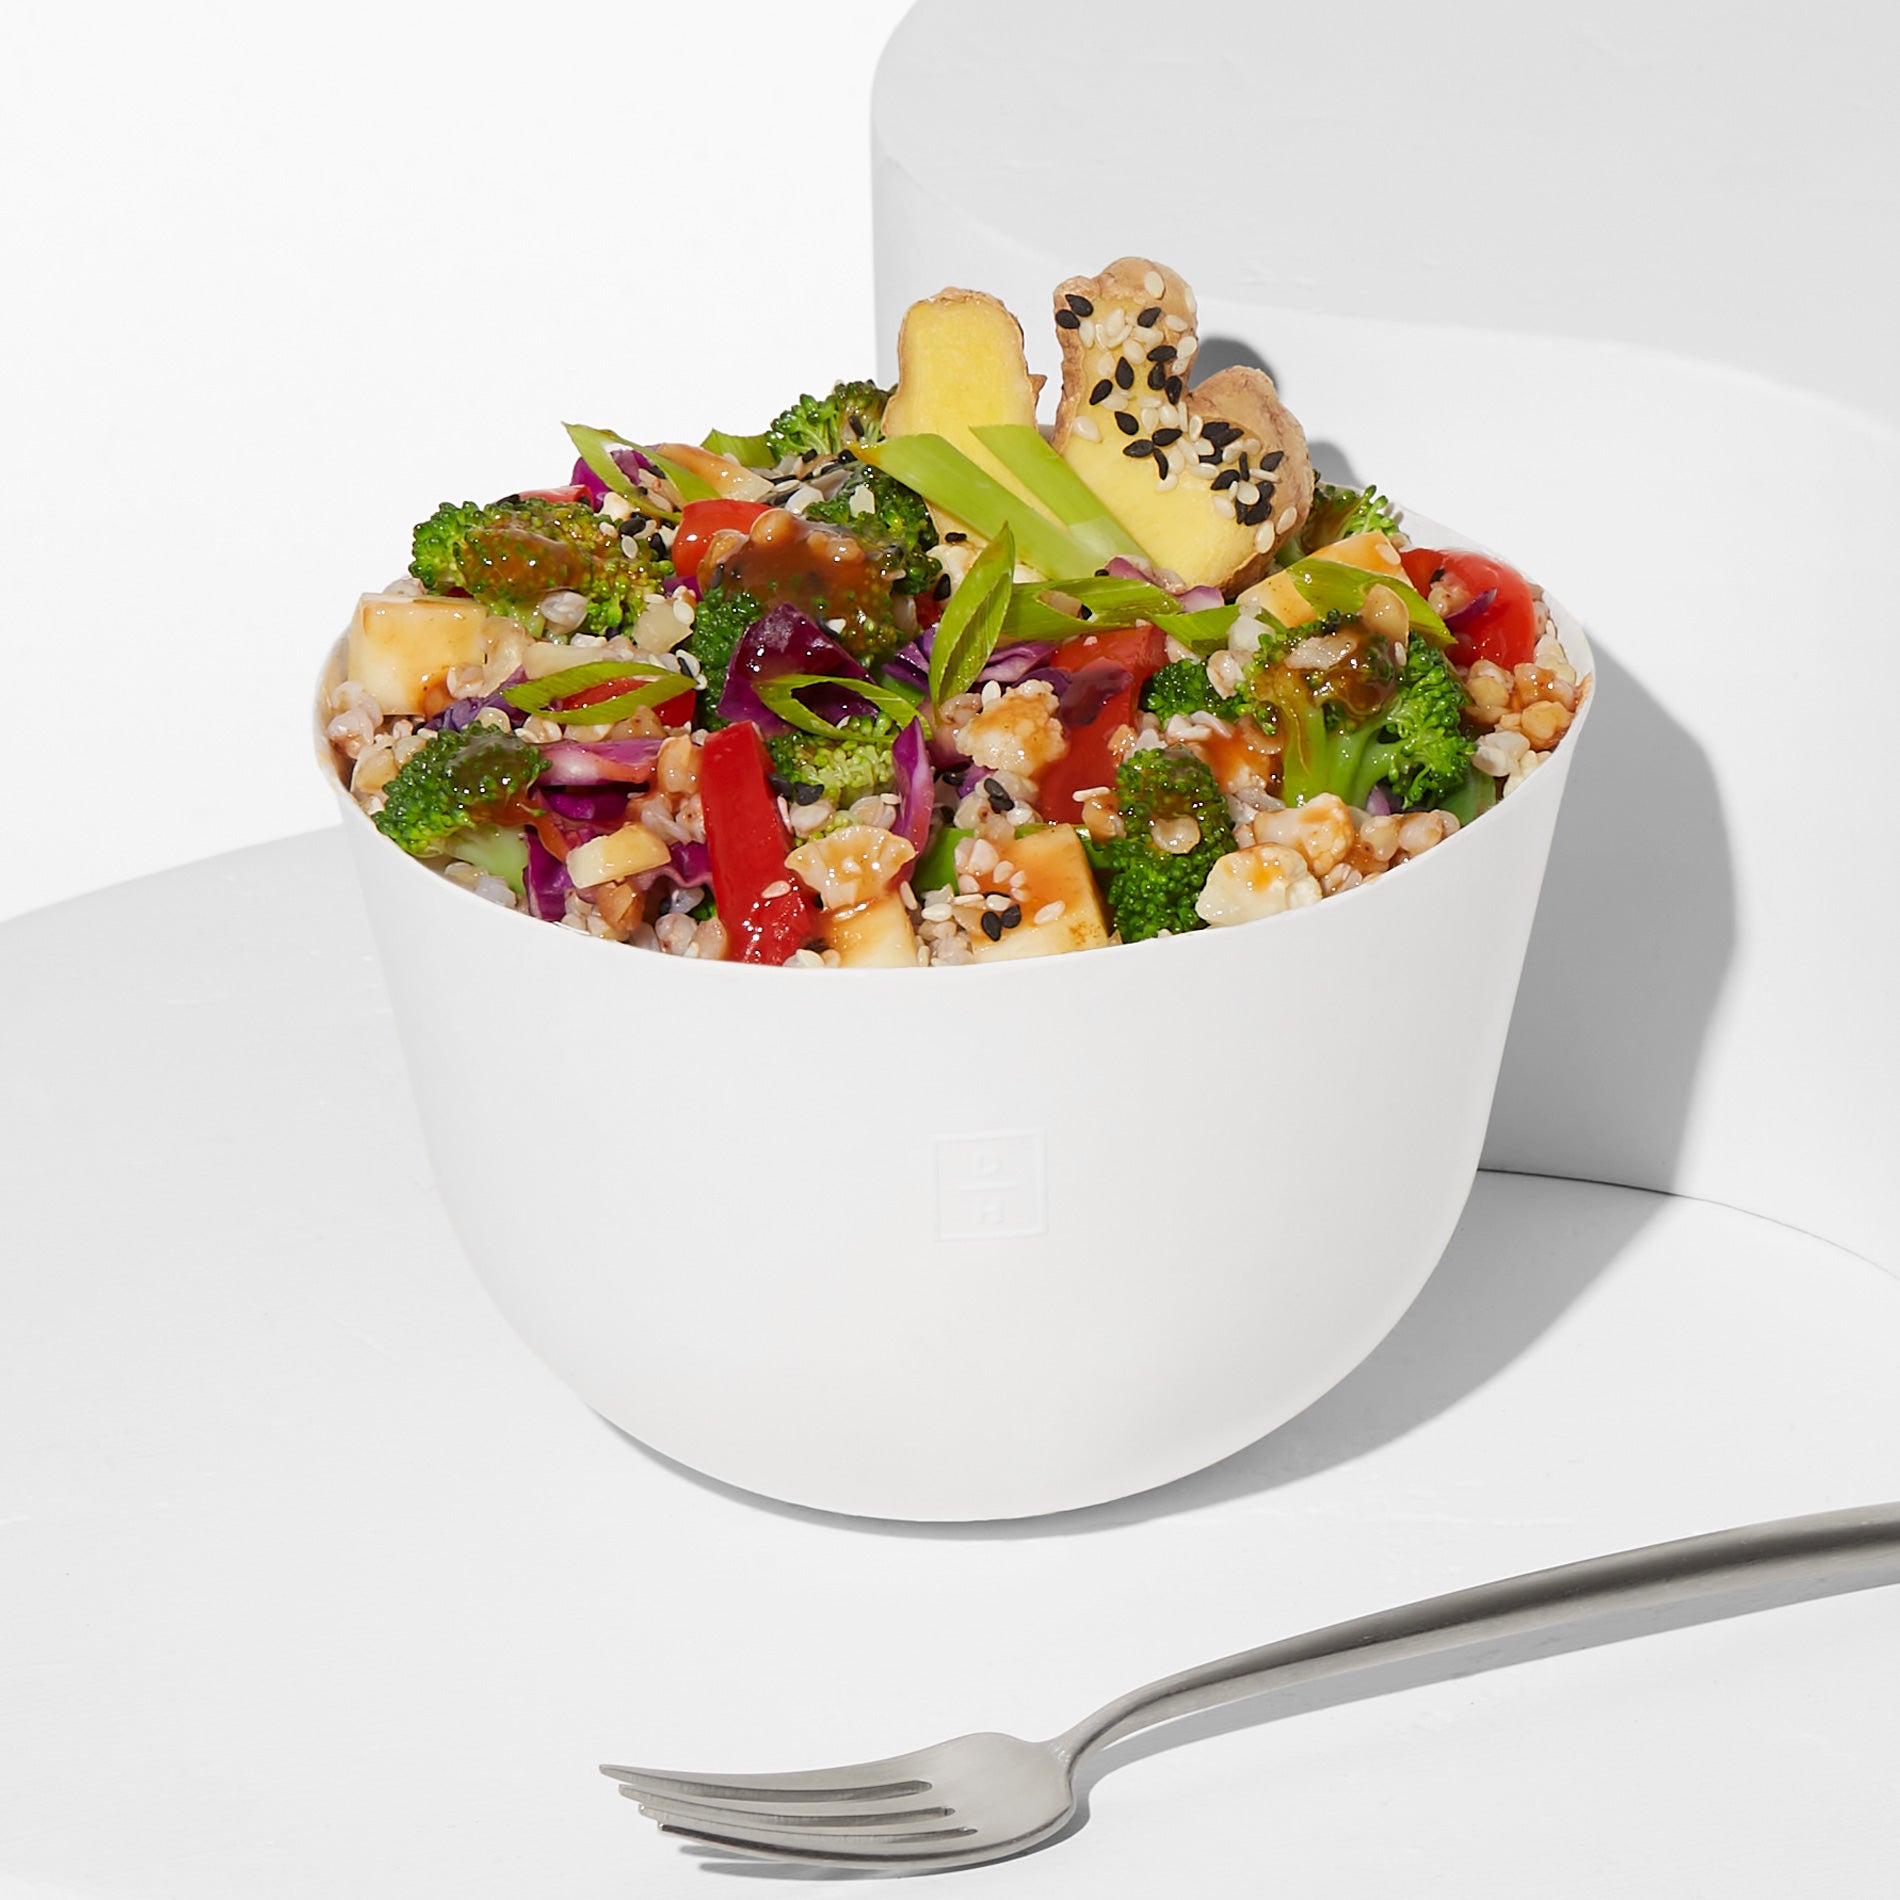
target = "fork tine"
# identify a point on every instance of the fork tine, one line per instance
(866, 1781)
(830, 1818)
(870, 1849)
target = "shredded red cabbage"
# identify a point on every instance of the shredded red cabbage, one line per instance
(691, 865)
(787, 641)
(916, 786)
(911, 664)
(464, 712)
(605, 807)
(1083, 693)
(545, 882)
(1011, 665)
(628, 461)
(1471, 610)
(600, 761)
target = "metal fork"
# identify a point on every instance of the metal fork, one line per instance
(984, 1797)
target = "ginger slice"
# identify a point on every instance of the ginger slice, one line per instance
(960, 367)
(1209, 479)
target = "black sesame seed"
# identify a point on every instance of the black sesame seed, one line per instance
(993, 926)
(1149, 317)
(1100, 393)
(1124, 374)
(1080, 305)
(807, 794)
(1000, 800)
(1173, 388)
(1158, 377)
(1227, 478)
(1161, 465)
(1162, 353)
(1125, 422)
(1220, 433)
(1067, 320)
(1164, 436)
(782, 787)
(1143, 447)
(1274, 460)
(1245, 476)
(956, 534)
(1011, 917)
(655, 542)
(1266, 491)
(942, 589)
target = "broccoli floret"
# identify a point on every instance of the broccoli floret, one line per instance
(1151, 890)
(1336, 513)
(1415, 739)
(1182, 688)
(878, 508)
(511, 554)
(496, 849)
(851, 767)
(458, 780)
(827, 425)
(719, 623)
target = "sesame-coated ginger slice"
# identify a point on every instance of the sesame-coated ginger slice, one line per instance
(1209, 478)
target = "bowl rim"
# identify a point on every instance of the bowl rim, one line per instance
(1577, 644)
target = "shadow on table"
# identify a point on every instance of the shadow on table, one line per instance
(1628, 942)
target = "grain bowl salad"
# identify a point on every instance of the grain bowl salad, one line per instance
(910, 680)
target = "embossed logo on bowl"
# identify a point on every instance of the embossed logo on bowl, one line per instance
(990, 1187)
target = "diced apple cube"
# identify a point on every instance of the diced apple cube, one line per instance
(401, 645)
(623, 853)
(874, 937)
(1372, 551)
(1055, 876)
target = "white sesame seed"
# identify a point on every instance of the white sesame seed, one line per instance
(1224, 504)
(1170, 480)
(1175, 323)
(936, 913)
(1004, 871)
(780, 888)
(1153, 284)
(682, 606)
(1084, 426)
(836, 623)
(1247, 492)
(1087, 332)
(1049, 912)
(1287, 518)
(1263, 537)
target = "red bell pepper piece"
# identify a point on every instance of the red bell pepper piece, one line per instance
(747, 842)
(699, 522)
(1091, 760)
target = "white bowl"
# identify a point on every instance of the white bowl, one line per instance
(965, 1243)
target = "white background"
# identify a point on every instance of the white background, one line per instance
(275, 282)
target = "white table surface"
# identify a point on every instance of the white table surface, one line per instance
(314, 1583)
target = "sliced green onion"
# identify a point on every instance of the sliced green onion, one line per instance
(686, 485)
(595, 447)
(603, 712)
(973, 618)
(1020, 448)
(1333, 587)
(533, 695)
(1115, 602)
(948, 479)
(749, 451)
(780, 695)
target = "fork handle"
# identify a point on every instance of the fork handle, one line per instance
(1784, 1549)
